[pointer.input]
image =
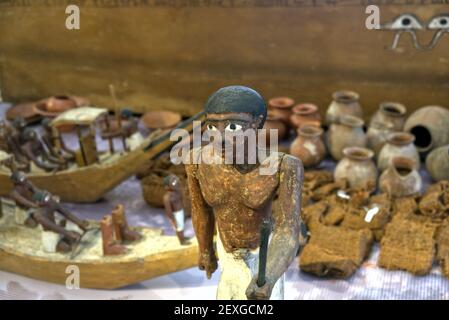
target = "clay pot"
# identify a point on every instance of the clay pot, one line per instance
(344, 103)
(309, 146)
(161, 119)
(358, 168)
(282, 108)
(390, 113)
(274, 122)
(53, 106)
(437, 163)
(398, 144)
(430, 127)
(26, 110)
(401, 179)
(377, 135)
(347, 133)
(305, 113)
(49, 108)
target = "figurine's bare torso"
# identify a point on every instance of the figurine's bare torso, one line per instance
(240, 202)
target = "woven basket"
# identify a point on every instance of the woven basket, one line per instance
(153, 188)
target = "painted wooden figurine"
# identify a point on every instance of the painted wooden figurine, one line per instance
(238, 198)
(34, 150)
(61, 229)
(54, 144)
(173, 204)
(22, 193)
(10, 142)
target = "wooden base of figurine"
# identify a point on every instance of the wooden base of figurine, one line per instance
(21, 252)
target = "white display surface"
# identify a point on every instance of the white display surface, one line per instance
(369, 282)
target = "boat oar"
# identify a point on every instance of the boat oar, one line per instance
(263, 251)
(76, 245)
(162, 143)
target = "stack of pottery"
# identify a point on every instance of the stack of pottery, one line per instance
(281, 107)
(344, 103)
(401, 179)
(358, 168)
(347, 132)
(377, 136)
(274, 123)
(392, 114)
(398, 144)
(430, 127)
(308, 145)
(389, 118)
(305, 114)
(437, 163)
(48, 107)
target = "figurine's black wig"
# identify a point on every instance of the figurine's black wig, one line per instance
(168, 179)
(237, 99)
(18, 176)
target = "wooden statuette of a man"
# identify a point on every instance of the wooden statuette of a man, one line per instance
(174, 206)
(238, 197)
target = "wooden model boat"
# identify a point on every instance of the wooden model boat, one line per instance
(90, 182)
(154, 255)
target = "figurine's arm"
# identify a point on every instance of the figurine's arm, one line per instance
(16, 151)
(53, 159)
(48, 146)
(69, 216)
(284, 243)
(42, 219)
(203, 222)
(30, 155)
(16, 196)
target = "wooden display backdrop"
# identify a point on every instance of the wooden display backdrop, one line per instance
(171, 54)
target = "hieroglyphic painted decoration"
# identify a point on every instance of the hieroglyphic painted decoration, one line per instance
(410, 23)
(405, 23)
(440, 23)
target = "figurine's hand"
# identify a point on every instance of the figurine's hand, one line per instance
(254, 292)
(84, 225)
(74, 236)
(208, 262)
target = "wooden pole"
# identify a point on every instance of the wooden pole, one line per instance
(78, 133)
(118, 116)
(110, 140)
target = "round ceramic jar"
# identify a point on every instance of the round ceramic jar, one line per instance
(358, 168)
(398, 144)
(344, 103)
(348, 132)
(309, 146)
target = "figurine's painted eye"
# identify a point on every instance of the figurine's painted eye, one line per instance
(233, 127)
(406, 22)
(211, 127)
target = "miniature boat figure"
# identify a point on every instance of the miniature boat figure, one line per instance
(94, 172)
(63, 240)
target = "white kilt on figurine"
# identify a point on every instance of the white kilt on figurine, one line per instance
(237, 270)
